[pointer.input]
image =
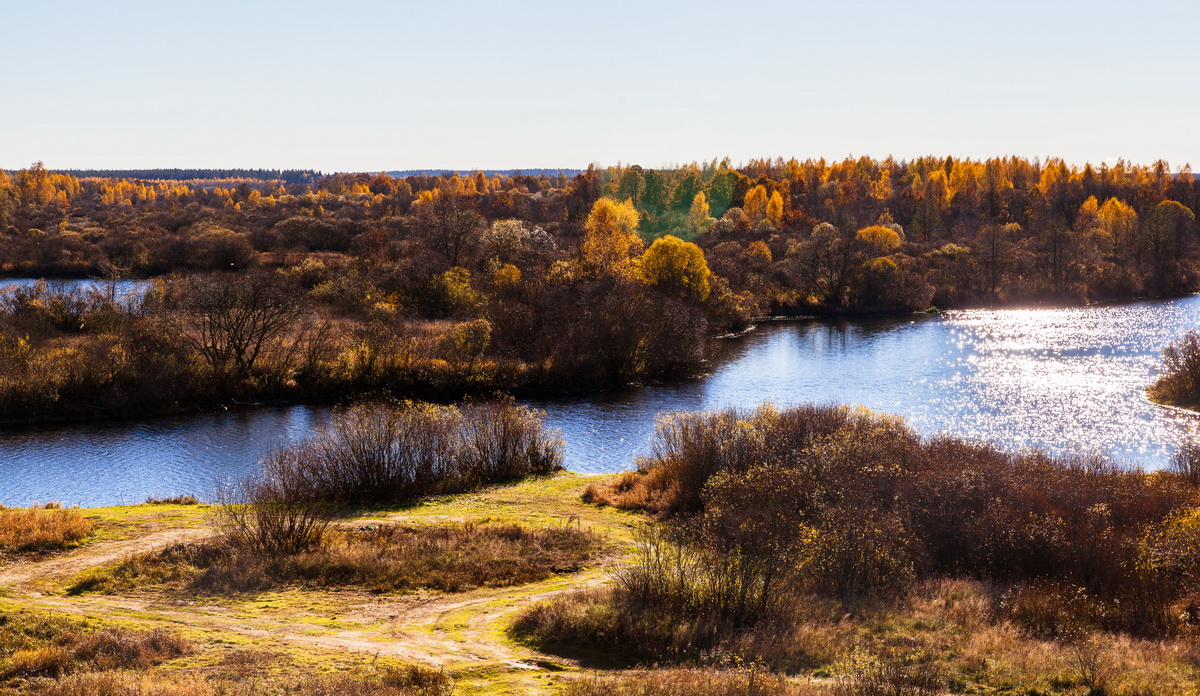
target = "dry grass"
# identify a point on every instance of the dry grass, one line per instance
(382, 558)
(33, 645)
(42, 528)
(407, 681)
(690, 682)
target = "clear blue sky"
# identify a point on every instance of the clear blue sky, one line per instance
(354, 86)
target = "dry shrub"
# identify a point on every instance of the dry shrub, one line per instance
(259, 516)
(42, 528)
(868, 507)
(398, 452)
(1186, 463)
(891, 673)
(43, 646)
(747, 681)
(185, 499)
(1088, 663)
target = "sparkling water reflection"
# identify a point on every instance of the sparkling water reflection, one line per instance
(1067, 380)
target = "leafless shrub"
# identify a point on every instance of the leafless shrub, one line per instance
(396, 452)
(258, 516)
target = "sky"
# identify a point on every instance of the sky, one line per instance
(466, 84)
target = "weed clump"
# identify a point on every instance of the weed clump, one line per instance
(42, 528)
(33, 645)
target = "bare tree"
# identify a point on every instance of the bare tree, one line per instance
(233, 320)
(451, 226)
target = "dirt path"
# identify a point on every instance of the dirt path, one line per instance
(464, 633)
(102, 553)
(440, 630)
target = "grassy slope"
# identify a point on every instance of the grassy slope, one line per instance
(464, 633)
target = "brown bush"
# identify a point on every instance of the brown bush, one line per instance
(396, 452)
(182, 499)
(763, 508)
(41, 528)
(891, 673)
(45, 646)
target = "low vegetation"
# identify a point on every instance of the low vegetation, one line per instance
(747, 681)
(33, 645)
(410, 681)
(42, 528)
(278, 527)
(397, 452)
(775, 526)
(183, 499)
(380, 558)
(49, 655)
(1179, 383)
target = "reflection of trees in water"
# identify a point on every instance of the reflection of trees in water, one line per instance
(845, 335)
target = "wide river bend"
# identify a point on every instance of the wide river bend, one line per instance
(1067, 380)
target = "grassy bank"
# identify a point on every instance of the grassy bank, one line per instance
(350, 637)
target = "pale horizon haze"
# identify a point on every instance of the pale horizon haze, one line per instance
(371, 86)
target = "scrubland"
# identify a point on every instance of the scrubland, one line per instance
(808, 550)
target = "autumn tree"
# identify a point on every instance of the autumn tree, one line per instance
(881, 240)
(673, 264)
(824, 264)
(610, 240)
(699, 219)
(755, 205)
(232, 321)
(450, 224)
(1171, 238)
(774, 209)
(994, 250)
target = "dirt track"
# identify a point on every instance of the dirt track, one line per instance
(462, 632)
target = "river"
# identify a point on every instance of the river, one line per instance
(1066, 380)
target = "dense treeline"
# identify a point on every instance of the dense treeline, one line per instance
(402, 173)
(456, 284)
(859, 234)
(293, 176)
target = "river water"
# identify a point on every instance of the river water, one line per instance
(1066, 380)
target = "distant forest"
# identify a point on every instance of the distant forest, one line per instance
(451, 284)
(857, 235)
(547, 171)
(291, 176)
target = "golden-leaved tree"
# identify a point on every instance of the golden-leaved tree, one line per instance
(673, 264)
(610, 240)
